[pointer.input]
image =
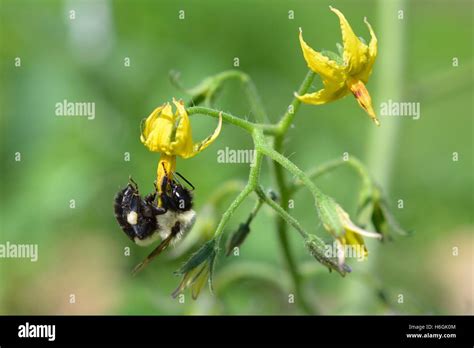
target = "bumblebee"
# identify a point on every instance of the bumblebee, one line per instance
(144, 221)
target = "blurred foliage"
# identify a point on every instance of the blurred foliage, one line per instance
(81, 250)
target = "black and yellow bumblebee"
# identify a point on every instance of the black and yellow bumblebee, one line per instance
(165, 214)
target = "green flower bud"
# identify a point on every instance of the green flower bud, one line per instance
(318, 249)
(337, 222)
(198, 269)
(237, 238)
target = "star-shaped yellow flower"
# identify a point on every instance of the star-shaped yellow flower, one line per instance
(347, 234)
(352, 75)
(170, 134)
(352, 234)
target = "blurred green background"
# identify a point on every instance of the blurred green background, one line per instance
(81, 250)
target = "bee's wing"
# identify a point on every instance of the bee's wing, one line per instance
(162, 246)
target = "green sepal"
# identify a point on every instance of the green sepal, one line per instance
(317, 249)
(204, 253)
(340, 49)
(333, 56)
(328, 213)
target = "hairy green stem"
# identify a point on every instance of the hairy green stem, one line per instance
(232, 208)
(255, 210)
(248, 126)
(249, 188)
(292, 168)
(281, 212)
(353, 162)
(254, 100)
(227, 117)
(283, 126)
(250, 91)
(224, 190)
(258, 132)
(290, 113)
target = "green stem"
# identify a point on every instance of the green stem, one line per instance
(282, 219)
(232, 208)
(254, 99)
(249, 188)
(283, 214)
(229, 118)
(290, 113)
(254, 212)
(328, 166)
(282, 128)
(223, 191)
(250, 91)
(292, 168)
(248, 126)
(278, 131)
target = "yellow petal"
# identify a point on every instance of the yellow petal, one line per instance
(372, 54)
(357, 230)
(199, 281)
(171, 134)
(355, 51)
(362, 95)
(185, 282)
(146, 130)
(182, 142)
(158, 130)
(356, 241)
(349, 226)
(198, 147)
(323, 96)
(328, 69)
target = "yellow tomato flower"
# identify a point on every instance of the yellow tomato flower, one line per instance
(352, 75)
(170, 134)
(352, 235)
(338, 223)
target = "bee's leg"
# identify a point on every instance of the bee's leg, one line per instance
(167, 201)
(149, 198)
(150, 201)
(133, 183)
(164, 184)
(187, 181)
